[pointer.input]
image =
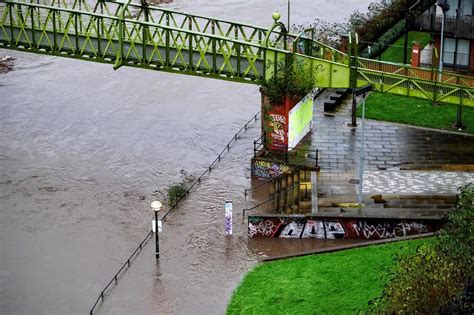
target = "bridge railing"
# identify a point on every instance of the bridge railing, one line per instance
(142, 11)
(112, 39)
(416, 72)
(117, 37)
(304, 43)
(414, 86)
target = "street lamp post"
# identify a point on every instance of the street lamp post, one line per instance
(156, 207)
(444, 7)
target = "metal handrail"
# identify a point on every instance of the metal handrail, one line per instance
(263, 183)
(292, 187)
(297, 168)
(209, 169)
(257, 145)
(117, 274)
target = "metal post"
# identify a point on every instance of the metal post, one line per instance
(444, 7)
(156, 207)
(459, 113)
(354, 109)
(157, 243)
(459, 124)
(440, 67)
(361, 166)
(405, 46)
(289, 25)
(314, 192)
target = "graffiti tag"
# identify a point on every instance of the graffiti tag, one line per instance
(266, 169)
(277, 123)
(340, 228)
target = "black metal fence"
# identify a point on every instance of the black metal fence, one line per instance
(217, 160)
(125, 266)
(286, 153)
(135, 253)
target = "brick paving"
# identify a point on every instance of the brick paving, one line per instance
(415, 182)
(398, 159)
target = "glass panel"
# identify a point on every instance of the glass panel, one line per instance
(462, 56)
(453, 5)
(466, 7)
(448, 50)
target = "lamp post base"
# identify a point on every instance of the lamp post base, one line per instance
(455, 125)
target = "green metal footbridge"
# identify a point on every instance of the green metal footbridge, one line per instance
(137, 34)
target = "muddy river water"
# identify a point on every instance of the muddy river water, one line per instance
(82, 148)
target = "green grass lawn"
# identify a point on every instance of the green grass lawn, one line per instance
(333, 283)
(415, 111)
(394, 53)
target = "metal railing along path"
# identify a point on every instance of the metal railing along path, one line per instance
(217, 160)
(277, 196)
(285, 152)
(246, 191)
(125, 266)
(135, 253)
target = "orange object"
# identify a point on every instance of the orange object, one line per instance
(415, 54)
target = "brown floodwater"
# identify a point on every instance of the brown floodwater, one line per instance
(82, 148)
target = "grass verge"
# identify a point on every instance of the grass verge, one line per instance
(415, 111)
(333, 283)
(394, 53)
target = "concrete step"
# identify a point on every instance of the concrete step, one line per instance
(414, 201)
(384, 212)
(336, 97)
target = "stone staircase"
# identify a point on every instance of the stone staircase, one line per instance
(399, 206)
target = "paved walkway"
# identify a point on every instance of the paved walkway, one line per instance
(398, 159)
(415, 182)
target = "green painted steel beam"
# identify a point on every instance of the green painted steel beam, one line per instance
(124, 33)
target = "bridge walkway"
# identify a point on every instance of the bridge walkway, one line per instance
(136, 34)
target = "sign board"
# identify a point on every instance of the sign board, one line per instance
(228, 217)
(160, 226)
(300, 121)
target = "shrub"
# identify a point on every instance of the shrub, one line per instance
(380, 17)
(457, 239)
(175, 192)
(439, 276)
(421, 283)
(388, 38)
(290, 80)
(383, 22)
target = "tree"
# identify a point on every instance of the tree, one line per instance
(439, 276)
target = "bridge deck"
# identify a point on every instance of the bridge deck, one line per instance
(140, 35)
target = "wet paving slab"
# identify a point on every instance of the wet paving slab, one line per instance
(398, 159)
(386, 145)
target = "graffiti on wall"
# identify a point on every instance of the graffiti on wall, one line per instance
(277, 125)
(262, 169)
(370, 230)
(337, 228)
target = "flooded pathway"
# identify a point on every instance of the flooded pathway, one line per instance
(82, 147)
